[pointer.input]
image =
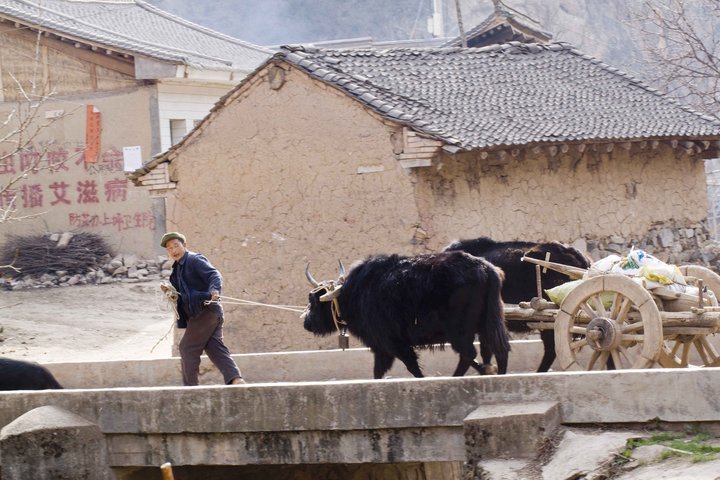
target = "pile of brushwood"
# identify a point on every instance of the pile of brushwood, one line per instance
(36, 255)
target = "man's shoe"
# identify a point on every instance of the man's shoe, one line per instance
(237, 381)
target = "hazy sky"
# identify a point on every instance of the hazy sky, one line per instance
(273, 22)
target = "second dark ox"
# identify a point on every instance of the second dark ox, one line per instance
(394, 304)
(520, 277)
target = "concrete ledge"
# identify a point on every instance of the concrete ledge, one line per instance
(320, 365)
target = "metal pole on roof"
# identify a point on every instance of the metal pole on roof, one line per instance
(437, 20)
(463, 38)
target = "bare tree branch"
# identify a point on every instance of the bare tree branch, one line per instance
(679, 40)
(23, 136)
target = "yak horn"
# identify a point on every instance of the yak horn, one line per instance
(342, 268)
(310, 278)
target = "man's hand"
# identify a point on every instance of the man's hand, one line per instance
(214, 295)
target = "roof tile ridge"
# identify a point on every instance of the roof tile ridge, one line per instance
(195, 26)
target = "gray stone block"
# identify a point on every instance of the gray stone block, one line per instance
(50, 443)
(513, 430)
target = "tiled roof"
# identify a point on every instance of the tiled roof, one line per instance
(514, 94)
(137, 27)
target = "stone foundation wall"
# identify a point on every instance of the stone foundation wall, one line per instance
(671, 242)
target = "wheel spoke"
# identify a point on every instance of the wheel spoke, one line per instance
(578, 344)
(685, 354)
(675, 348)
(616, 359)
(701, 350)
(632, 327)
(615, 306)
(602, 361)
(585, 306)
(593, 358)
(599, 306)
(623, 311)
(626, 337)
(710, 350)
(629, 356)
(578, 330)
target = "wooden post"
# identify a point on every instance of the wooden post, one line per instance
(538, 281)
(166, 469)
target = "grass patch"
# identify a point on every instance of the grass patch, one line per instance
(697, 446)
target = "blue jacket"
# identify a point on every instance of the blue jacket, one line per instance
(194, 277)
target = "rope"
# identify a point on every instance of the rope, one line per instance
(239, 301)
(337, 318)
(171, 297)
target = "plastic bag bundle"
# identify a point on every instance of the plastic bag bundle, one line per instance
(639, 263)
(642, 267)
(609, 264)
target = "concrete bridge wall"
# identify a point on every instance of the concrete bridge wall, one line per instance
(321, 408)
(358, 421)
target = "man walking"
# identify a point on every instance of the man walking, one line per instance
(196, 282)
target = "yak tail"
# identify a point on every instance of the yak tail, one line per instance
(493, 329)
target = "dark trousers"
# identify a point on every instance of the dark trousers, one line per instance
(204, 332)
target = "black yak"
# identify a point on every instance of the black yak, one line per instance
(22, 375)
(394, 303)
(520, 279)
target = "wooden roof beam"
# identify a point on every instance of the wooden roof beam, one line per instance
(117, 64)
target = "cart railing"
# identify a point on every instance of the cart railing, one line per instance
(576, 273)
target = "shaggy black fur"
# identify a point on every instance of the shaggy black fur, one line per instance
(394, 304)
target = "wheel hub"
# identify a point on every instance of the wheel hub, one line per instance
(603, 334)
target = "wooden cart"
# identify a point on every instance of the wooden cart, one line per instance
(611, 316)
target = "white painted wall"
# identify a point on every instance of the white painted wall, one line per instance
(190, 102)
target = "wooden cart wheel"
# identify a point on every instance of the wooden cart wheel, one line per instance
(682, 349)
(710, 279)
(626, 329)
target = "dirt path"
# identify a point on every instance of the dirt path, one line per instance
(85, 323)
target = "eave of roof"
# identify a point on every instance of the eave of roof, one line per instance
(524, 95)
